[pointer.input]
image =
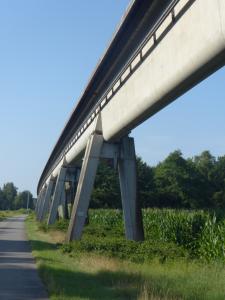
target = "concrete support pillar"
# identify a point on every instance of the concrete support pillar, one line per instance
(128, 185)
(46, 200)
(37, 203)
(62, 209)
(60, 183)
(85, 186)
(70, 191)
(123, 154)
(40, 202)
(66, 212)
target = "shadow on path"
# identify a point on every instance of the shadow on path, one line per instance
(19, 278)
(14, 246)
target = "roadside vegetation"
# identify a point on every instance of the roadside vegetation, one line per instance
(169, 234)
(181, 258)
(10, 213)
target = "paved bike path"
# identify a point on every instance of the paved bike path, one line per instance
(19, 279)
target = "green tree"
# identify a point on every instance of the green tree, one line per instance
(176, 182)
(106, 191)
(21, 200)
(9, 194)
(205, 165)
(218, 197)
(145, 184)
(2, 200)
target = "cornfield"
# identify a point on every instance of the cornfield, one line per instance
(201, 233)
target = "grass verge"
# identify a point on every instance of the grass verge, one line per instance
(91, 275)
(10, 213)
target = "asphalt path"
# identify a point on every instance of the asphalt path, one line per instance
(19, 279)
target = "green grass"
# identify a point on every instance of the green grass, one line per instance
(77, 273)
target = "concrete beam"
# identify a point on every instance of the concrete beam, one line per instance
(85, 186)
(60, 183)
(128, 185)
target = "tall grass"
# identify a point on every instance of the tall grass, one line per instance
(168, 232)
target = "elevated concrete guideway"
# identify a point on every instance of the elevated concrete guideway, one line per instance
(19, 279)
(160, 50)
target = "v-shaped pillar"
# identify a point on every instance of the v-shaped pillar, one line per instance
(56, 201)
(46, 200)
(72, 178)
(124, 153)
(85, 186)
(40, 200)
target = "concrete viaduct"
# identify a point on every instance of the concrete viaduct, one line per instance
(161, 49)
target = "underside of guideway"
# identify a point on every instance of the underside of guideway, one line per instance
(137, 23)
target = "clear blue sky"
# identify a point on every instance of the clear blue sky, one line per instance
(48, 50)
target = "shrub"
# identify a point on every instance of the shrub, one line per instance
(169, 233)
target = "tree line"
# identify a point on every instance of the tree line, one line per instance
(176, 182)
(11, 199)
